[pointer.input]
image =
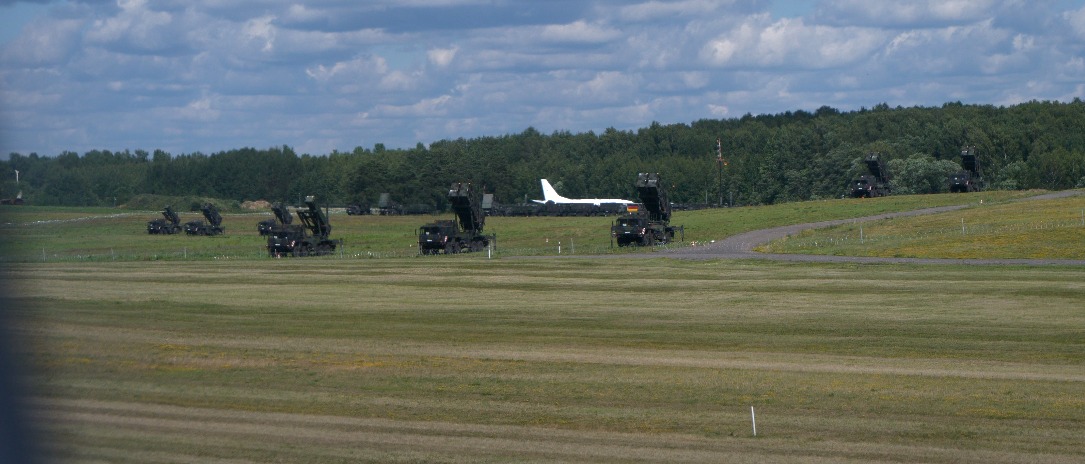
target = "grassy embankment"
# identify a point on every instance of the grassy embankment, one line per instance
(1027, 229)
(37, 234)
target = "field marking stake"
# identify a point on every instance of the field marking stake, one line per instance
(753, 420)
(962, 226)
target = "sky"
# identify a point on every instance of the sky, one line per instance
(206, 76)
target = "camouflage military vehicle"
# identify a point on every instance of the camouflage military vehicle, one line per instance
(169, 224)
(282, 216)
(650, 226)
(310, 238)
(213, 226)
(969, 179)
(874, 185)
(462, 234)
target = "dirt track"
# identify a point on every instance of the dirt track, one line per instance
(741, 246)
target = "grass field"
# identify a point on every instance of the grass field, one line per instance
(465, 359)
(1033, 229)
(567, 360)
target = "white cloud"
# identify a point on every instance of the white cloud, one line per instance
(44, 43)
(979, 48)
(426, 108)
(694, 80)
(654, 10)
(578, 31)
(792, 43)
(136, 27)
(402, 81)
(200, 110)
(1076, 20)
(897, 13)
(262, 31)
(610, 86)
(442, 57)
(297, 12)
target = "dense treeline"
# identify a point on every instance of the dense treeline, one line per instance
(769, 159)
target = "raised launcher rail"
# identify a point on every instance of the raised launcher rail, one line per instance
(214, 225)
(876, 166)
(282, 213)
(315, 220)
(212, 214)
(876, 184)
(308, 239)
(467, 206)
(464, 234)
(653, 197)
(170, 224)
(282, 217)
(970, 179)
(652, 225)
(969, 161)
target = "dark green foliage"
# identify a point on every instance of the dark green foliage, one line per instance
(921, 173)
(769, 159)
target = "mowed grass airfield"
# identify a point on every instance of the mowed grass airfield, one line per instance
(216, 353)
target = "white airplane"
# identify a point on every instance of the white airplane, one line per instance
(551, 195)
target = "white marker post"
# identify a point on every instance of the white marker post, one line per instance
(753, 420)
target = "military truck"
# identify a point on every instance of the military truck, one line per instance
(388, 207)
(650, 226)
(460, 235)
(357, 210)
(213, 226)
(970, 179)
(282, 216)
(310, 238)
(170, 224)
(264, 227)
(876, 184)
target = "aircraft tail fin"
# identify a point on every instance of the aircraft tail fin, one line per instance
(549, 194)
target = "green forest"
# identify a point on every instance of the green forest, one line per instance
(767, 159)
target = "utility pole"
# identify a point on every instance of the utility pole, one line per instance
(720, 163)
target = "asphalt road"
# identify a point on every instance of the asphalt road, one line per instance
(742, 246)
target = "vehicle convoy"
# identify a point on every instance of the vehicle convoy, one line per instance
(310, 238)
(213, 226)
(462, 234)
(282, 216)
(170, 224)
(970, 179)
(876, 184)
(652, 225)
